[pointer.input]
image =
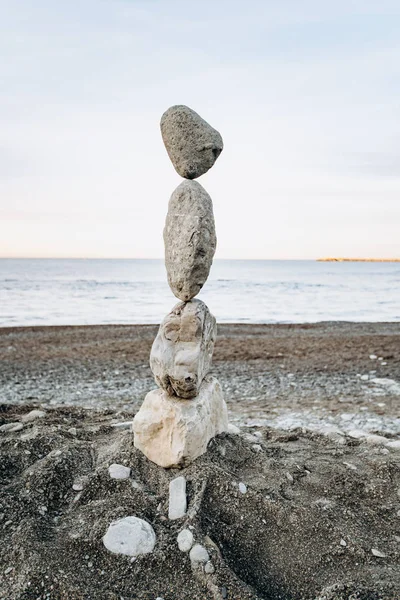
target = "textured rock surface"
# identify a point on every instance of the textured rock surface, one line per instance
(130, 536)
(192, 144)
(173, 432)
(181, 354)
(177, 504)
(189, 238)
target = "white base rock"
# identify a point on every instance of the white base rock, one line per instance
(173, 432)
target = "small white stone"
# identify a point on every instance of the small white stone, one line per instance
(384, 364)
(233, 429)
(373, 356)
(78, 486)
(378, 553)
(177, 498)
(72, 430)
(11, 427)
(364, 377)
(343, 543)
(185, 540)
(393, 444)
(33, 415)
(289, 477)
(256, 447)
(199, 554)
(8, 570)
(117, 471)
(242, 487)
(350, 466)
(130, 536)
(209, 568)
(122, 425)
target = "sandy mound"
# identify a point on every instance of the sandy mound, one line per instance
(316, 518)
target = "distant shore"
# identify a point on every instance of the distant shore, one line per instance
(380, 260)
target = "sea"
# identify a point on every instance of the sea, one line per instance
(99, 291)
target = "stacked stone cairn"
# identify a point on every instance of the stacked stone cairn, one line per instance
(176, 422)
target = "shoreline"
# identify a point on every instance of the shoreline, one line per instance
(280, 375)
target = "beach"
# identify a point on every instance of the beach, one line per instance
(298, 501)
(282, 375)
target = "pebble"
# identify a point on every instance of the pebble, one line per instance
(242, 488)
(378, 553)
(72, 430)
(364, 377)
(256, 447)
(343, 543)
(185, 540)
(209, 568)
(8, 570)
(199, 554)
(393, 444)
(117, 471)
(233, 429)
(11, 427)
(289, 477)
(350, 466)
(33, 415)
(130, 536)
(373, 356)
(122, 425)
(177, 498)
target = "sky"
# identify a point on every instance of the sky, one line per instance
(304, 93)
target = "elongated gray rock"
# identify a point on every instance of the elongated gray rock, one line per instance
(181, 354)
(192, 144)
(189, 238)
(172, 432)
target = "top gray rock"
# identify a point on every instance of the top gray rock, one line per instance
(192, 144)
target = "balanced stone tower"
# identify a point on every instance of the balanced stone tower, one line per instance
(176, 422)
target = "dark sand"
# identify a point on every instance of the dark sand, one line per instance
(321, 516)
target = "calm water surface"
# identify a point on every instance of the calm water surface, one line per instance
(78, 292)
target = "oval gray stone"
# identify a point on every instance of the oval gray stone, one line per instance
(192, 144)
(182, 352)
(189, 238)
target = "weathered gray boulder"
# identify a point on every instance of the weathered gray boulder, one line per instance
(189, 239)
(192, 144)
(181, 354)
